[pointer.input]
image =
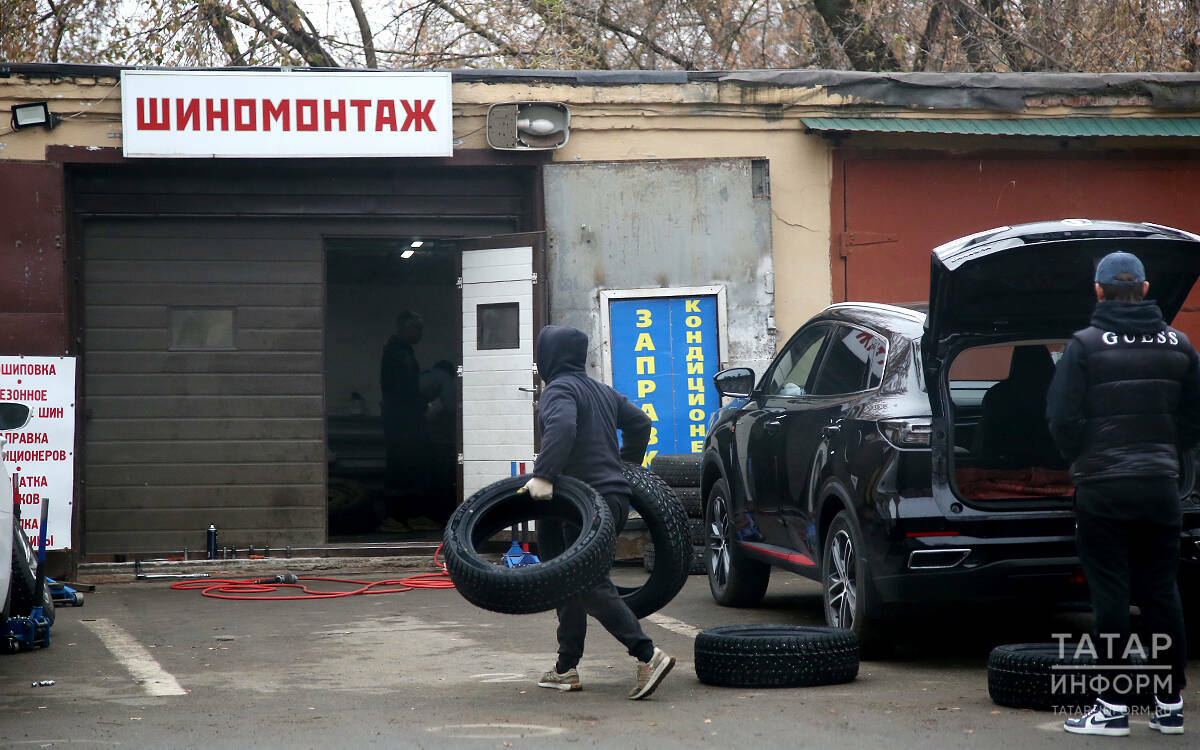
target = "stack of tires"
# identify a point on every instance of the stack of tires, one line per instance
(681, 472)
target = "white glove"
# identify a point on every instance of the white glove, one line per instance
(539, 489)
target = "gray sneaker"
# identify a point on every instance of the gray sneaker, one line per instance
(651, 673)
(566, 681)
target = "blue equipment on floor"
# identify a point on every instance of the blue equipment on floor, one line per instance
(31, 630)
(518, 555)
(63, 594)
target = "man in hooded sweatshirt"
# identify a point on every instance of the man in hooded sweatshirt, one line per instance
(580, 418)
(1123, 406)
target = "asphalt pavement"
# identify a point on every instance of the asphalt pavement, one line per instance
(144, 666)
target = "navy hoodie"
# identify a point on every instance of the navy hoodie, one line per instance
(580, 417)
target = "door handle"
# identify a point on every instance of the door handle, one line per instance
(528, 390)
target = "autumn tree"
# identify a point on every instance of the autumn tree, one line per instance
(872, 35)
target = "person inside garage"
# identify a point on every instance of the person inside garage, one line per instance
(403, 413)
(579, 419)
(1124, 404)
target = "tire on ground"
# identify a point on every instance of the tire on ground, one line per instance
(754, 656)
(1030, 675)
(678, 470)
(535, 588)
(691, 499)
(670, 559)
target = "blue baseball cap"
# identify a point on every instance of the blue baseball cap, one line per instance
(1117, 264)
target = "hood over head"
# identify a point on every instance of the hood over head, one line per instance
(560, 349)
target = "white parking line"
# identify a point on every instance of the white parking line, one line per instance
(135, 658)
(675, 626)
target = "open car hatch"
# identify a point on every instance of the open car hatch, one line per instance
(1036, 279)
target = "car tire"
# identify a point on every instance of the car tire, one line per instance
(692, 501)
(846, 588)
(678, 470)
(1022, 675)
(763, 656)
(734, 579)
(668, 556)
(582, 566)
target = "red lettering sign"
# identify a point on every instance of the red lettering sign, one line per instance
(417, 115)
(361, 105)
(338, 115)
(385, 114)
(187, 110)
(215, 113)
(245, 114)
(148, 119)
(308, 106)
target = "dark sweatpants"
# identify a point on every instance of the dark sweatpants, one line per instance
(1132, 560)
(602, 602)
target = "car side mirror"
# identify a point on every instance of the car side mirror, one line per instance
(13, 416)
(736, 382)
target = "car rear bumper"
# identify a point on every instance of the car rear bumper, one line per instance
(1053, 578)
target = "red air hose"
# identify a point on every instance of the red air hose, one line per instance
(246, 590)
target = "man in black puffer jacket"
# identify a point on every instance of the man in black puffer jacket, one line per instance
(1123, 406)
(580, 418)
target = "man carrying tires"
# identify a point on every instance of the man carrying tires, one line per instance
(1123, 406)
(579, 419)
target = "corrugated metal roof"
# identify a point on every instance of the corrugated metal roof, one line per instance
(1060, 127)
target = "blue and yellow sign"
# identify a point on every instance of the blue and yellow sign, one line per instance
(664, 354)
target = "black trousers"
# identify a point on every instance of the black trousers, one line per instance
(602, 602)
(1132, 561)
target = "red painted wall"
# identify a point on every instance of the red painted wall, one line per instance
(33, 290)
(891, 210)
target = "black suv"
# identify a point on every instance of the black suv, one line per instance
(899, 454)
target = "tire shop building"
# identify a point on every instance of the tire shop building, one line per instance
(227, 314)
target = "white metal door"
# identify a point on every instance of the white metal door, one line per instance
(498, 379)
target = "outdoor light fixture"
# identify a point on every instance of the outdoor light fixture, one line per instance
(526, 126)
(31, 115)
(407, 253)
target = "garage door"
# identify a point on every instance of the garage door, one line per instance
(203, 375)
(891, 211)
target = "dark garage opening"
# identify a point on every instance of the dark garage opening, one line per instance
(369, 283)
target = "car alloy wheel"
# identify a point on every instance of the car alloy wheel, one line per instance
(720, 530)
(841, 588)
(734, 579)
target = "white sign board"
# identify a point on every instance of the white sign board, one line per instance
(42, 455)
(168, 113)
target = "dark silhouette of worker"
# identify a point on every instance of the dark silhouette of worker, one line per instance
(1011, 423)
(439, 389)
(403, 412)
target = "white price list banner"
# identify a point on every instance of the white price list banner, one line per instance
(42, 454)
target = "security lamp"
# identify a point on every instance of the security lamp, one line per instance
(524, 126)
(30, 115)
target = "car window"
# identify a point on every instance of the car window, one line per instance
(793, 369)
(853, 362)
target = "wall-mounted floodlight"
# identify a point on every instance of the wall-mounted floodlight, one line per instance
(31, 115)
(528, 126)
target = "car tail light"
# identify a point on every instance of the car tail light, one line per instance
(906, 433)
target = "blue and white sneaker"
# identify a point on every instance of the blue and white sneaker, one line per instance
(1104, 718)
(1168, 717)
